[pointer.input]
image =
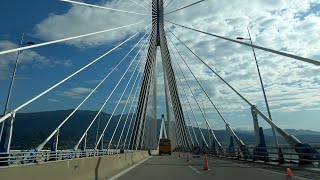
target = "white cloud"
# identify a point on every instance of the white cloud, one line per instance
(53, 100)
(284, 25)
(275, 26)
(82, 20)
(75, 93)
(27, 59)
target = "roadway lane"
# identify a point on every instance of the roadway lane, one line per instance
(173, 167)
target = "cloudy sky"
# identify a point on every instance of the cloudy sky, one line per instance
(291, 26)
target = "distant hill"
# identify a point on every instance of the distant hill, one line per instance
(30, 129)
(300, 132)
(307, 136)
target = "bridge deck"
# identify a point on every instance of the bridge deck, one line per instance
(172, 167)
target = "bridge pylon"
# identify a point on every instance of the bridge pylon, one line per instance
(158, 39)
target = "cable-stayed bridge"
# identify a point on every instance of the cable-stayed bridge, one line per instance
(133, 136)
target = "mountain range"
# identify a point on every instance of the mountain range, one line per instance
(30, 129)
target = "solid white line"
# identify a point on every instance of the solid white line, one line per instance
(127, 170)
(193, 168)
(235, 163)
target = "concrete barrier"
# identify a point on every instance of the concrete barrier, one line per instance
(154, 152)
(129, 158)
(91, 168)
(136, 157)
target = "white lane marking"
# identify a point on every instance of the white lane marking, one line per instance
(127, 170)
(234, 163)
(193, 168)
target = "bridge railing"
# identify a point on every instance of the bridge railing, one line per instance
(289, 154)
(267, 154)
(16, 157)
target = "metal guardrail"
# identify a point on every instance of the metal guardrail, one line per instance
(16, 157)
(289, 154)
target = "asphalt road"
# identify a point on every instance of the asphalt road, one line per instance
(173, 167)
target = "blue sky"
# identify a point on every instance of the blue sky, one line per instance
(291, 86)
(32, 80)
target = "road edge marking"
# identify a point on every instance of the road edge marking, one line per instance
(128, 169)
(194, 169)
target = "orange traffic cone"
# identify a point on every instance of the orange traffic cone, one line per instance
(205, 163)
(289, 173)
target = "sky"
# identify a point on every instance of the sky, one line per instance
(292, 26)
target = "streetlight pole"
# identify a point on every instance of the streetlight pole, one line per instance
(11, 86)
(263, 90)
(5, 137)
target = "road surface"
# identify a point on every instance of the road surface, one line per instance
(173, 167)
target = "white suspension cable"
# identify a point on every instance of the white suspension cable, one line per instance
(114, 132)
(127, 118)
(198, 82)
(167, 5)
(188, 129)
(185, 7)
(126, 138)
(114, 110)
(138, 4)
(144, 87)
(66, 39)
(131, 119)
(311, 61)
(221, 116)
(133, 128)
(69, 116)
(194, 116)
(134, 97)
(107, 100)
(178, 128)
(189, 119)
(193, 95)
(67, 78)
(146, 2)
(176, 139)
(243, 98)
(101, 7)
(102, 134)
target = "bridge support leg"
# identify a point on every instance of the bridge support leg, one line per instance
(260, 151)
(5, 144)
(305, 152)
(101, 147)
(213, 148)
(7, 136)
(231, 149)
(84, 146)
